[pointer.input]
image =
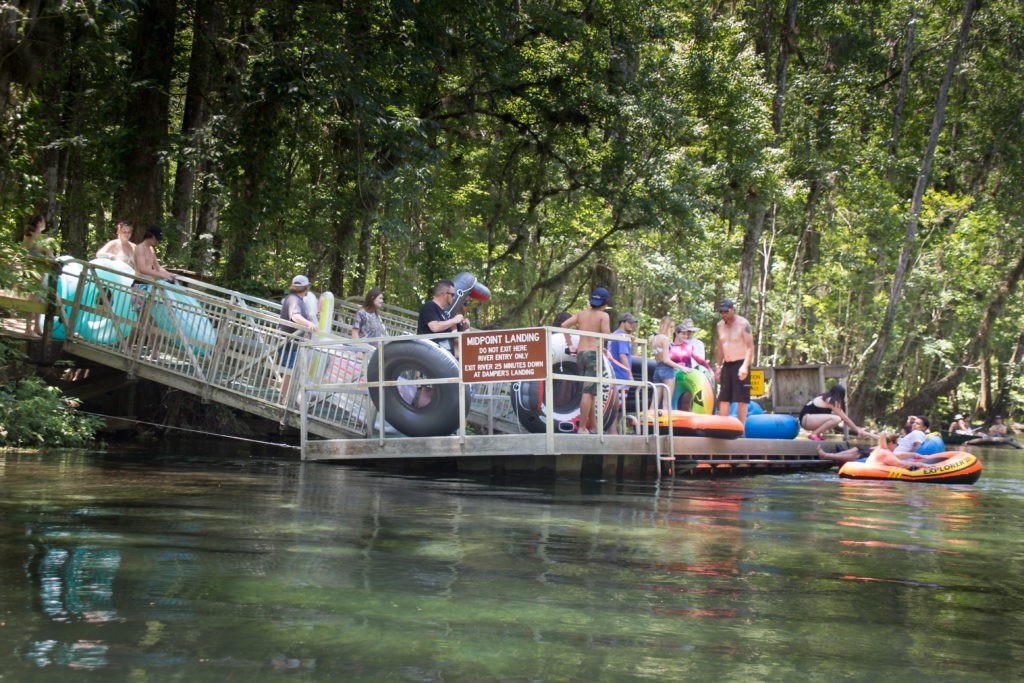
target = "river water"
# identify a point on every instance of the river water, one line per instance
(192, 563)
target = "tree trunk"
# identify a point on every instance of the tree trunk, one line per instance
(924, 399)
(1013, 367)
(748, 260)
(901, 96)
(206, 243)
(146, 116)
(209, 18)
(866, 396)
(756, 217)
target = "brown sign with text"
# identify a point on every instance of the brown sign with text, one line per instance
(504, 355)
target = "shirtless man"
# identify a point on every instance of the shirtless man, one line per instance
(146, 265)
(593, 319)
(734, 354)
(145, 256)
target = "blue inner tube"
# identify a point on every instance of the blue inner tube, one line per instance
(423, 410)
(770, 426)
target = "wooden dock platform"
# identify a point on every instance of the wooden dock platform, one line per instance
(574, 455)
(228, 348)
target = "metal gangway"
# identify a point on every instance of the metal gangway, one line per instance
(227, 347)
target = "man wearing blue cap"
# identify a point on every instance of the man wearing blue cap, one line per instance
(593, 319)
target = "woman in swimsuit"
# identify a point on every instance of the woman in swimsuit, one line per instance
(827, 411)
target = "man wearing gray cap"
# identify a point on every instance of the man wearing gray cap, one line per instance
(734, 354)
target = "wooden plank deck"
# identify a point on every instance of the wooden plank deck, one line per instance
(575, 455)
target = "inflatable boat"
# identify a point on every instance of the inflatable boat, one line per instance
(685, 423)
(951, 467)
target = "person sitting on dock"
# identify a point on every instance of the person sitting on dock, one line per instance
(593, 319)
(827, 411)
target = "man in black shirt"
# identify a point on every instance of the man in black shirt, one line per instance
(434, 315)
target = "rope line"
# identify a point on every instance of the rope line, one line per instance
(194, 431)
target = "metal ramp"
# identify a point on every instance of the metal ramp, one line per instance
(226, 347)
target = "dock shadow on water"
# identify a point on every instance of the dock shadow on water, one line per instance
(192, 563)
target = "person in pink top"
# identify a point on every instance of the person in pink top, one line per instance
(685, 350)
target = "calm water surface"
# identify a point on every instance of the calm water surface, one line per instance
(196, 564)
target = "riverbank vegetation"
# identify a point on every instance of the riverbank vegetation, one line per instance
(849, 172)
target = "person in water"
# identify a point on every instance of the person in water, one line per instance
(734, 354)
(827, 411)
(593, 319)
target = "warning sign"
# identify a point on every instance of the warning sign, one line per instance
(504, 355)
(757, 382)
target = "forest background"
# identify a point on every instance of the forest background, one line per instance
(847, 170)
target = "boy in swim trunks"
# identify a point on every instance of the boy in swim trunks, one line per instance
(593, 319)
(734, 354)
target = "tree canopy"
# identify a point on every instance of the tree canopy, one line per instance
(849, 172)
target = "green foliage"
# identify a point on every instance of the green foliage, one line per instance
(551, 146)
(33, 414)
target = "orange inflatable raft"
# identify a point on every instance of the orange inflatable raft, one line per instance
(950, 467)
(684, 423)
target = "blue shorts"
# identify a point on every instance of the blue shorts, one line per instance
(663, 372)
(287, 355)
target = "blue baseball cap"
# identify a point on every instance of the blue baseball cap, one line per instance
(599, 297)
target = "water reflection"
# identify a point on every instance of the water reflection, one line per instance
(221, 565)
